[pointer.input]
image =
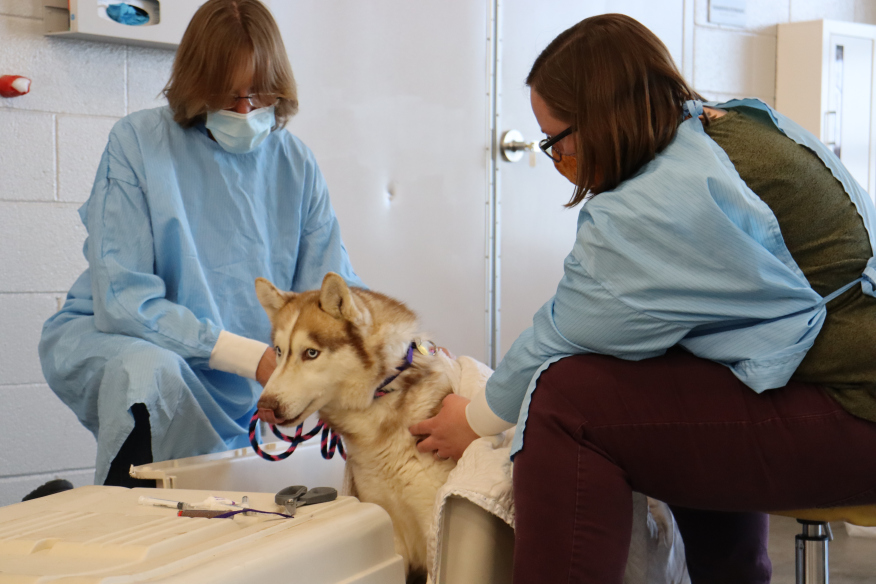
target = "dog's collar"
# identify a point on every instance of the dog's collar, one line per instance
(423, 347)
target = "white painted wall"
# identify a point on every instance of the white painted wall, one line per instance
(50, 144)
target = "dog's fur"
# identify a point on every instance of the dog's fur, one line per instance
(361, 338)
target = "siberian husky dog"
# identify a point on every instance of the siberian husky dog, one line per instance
(357, 358)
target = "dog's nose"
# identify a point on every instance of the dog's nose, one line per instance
(267, 410)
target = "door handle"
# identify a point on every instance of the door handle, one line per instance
(513, 146)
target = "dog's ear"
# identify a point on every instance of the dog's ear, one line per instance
(336, 299)
(271, 298)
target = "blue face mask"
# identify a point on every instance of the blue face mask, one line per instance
(241, 133)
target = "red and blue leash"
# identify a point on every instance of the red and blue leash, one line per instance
(329, 442)
(330, 439)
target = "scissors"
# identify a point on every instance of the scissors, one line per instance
(298, 495)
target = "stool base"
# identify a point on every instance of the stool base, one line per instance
(812, 552)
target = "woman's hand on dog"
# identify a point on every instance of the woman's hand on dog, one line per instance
(448, 434)
(266, 366)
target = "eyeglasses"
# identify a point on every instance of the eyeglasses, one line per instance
(547, 145)
(256, 100)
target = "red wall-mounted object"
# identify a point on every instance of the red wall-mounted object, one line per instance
(14, 85)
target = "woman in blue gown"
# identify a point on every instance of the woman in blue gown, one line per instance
(160, 345)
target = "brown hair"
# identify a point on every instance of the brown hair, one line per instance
(225, 38)
(615, 82)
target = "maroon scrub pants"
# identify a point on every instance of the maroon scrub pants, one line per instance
(683, 430)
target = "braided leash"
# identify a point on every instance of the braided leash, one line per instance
(330, 440)
(329, 443)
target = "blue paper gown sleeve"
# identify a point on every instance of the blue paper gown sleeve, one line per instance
(582, 317)
(321, 249)
(129, 298)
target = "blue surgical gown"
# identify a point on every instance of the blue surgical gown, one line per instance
(682, 253)
(178, 230)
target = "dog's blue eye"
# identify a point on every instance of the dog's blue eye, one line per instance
(310, 354)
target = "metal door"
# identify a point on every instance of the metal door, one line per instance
(393, 103)
(535, 231)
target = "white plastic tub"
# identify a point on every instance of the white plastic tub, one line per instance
(101, 535)
(244, 470)
(477, 547)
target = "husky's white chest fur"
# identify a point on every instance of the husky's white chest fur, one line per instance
(335, 346)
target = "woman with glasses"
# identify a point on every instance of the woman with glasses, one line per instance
(160, 346)
(712, 342)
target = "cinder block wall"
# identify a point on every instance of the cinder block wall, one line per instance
(50, 145)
